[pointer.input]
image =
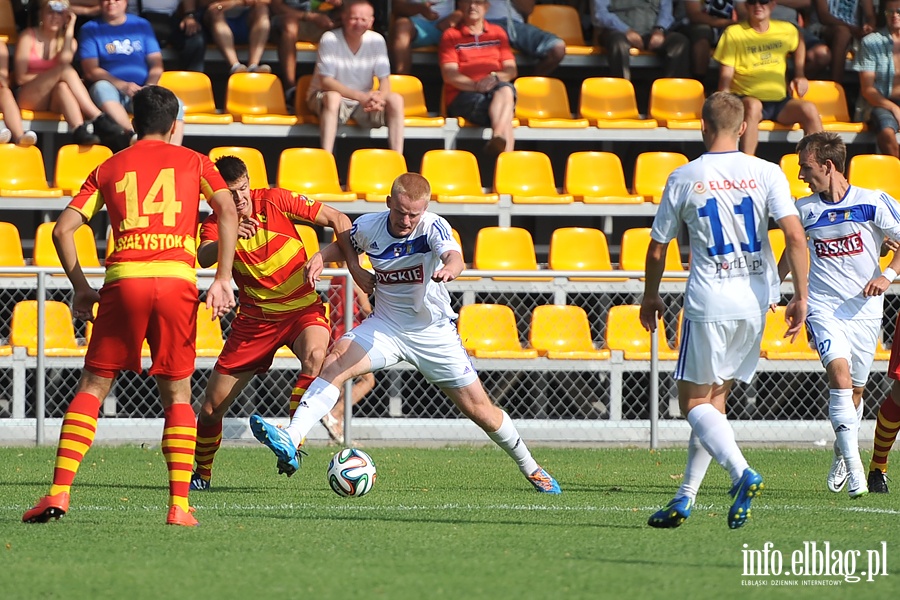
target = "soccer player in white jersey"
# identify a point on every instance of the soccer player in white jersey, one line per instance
(413, 253)
(725, 198)
(846, 226)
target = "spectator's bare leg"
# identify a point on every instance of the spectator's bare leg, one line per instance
(328, 119)
(840, 42)
(752, 117)
(222, 36)
(394, 118)
(12, 118)
(887, 142)
(259, 32)
(62, 100)
(803, 112)
(501, 113)
(549, 63)
(118, 114)
(287, 50)
(400, 44)
(818, 58)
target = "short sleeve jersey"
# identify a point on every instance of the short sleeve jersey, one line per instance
(268, 268)
(120, 49)
(476, 55)
(405, 295)
(726, 200)
(759, 59)
(844, 247)
(152, 195)
(354, 70)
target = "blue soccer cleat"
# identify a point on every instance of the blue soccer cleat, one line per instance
(277, 440)
(748, 487)
(672, 514)
(544, 482)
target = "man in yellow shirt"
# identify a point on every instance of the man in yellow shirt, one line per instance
(753, 57)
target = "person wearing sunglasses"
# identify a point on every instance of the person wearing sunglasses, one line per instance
(875, 61)
(753, 64)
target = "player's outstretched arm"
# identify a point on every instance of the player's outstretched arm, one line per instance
(879, 285)
(652, 305)
(220, 297)
(64, 239)
(453, 266)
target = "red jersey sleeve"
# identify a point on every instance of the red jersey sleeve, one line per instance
(209, 229)
(88, 201)
(210, 179)
(296, 206)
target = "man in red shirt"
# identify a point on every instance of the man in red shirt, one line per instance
(279, 304)
(152, 195)
(478, 67)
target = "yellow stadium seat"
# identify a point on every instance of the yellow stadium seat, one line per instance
(563, 332)
(313, 173)
(301, 108)
(583, 179)
(610, 103)
(528, 177)
(22, 173)
(257, 98)
(777, 243)
(415, 112)
(882, 353)
(677, 103)
(310, 238)
(544, 102)
(565, 23)
(59, 333)
(454, 177)
(489, 331)
(209, 332)
(830, 99)
(253, 158)
(74, 163)
(10, 246)
(877, 172)
(580, 249)
(633, 253)
(505, 249)
(45, 252)
(8, 29)
(194, 89)
(790, 166)
(624, 332)
(652, 169)
(775, 346)
(372, 172)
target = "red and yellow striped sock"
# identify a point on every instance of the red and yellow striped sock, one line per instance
(178, 442)
(75, 438)
(209, 438)
(885, 433)
(303, 383)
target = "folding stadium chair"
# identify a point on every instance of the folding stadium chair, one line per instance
(209, 333)
(582, 181)
(415, 112)
(776, 242)
(74, 163)
(563, 332)
(877, 172)
(253, 158)
(633, 252)
(22, 173)
(45, 252)
(10, 246)
(372, 172)
(313, 173)
(677, 103)
(59, 333)
(8, 29)
(624, 332)
(831, 100)
(489, 331)
(610, 103)
(257, 98)
(454, 177)
(652, 169)
(775, 346)
(506, 249)
(580, 249)
(565, 23)
(542, 102)
(194, 89)
(528, 177)
(790, 166)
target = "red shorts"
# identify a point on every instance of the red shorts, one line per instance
(252, 343)
(162, 310)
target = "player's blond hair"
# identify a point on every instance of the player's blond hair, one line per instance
(411, 185)
(723, 112)
(825, 145)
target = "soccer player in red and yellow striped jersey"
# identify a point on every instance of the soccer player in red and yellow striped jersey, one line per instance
(279, 304)
(152, 195)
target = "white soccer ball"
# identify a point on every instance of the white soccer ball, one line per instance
(351, 472)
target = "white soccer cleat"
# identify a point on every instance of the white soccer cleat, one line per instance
(837, 477)
(857, 487)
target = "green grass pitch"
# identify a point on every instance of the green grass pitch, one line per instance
(455, 522)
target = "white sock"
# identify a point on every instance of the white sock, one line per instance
(846, 427)
(697, 463)
(507, 437)
(318, 401)
(716, 435)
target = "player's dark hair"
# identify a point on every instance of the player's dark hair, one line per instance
(411, 185)
(825, 145)
(155, 110)
(723, 112)
(231, 168)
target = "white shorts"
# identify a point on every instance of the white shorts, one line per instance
(719, 351)
(854, 340)
(436, 351)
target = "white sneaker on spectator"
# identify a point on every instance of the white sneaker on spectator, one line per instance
(238, 68)
(259, 69)
(29, 138)
(5, 135)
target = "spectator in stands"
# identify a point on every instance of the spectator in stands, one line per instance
(175, 23)
(416, 25)
(645, 25)
(704, 22)
(45, 75)
(12, 118)
(478, 68)
(839, 23)
(85, 10)
(536, 43)
(753, 64)
(300, 21)
(242, 22)
(119, 56)
(818, 54)
(876, 63)
(341, 87)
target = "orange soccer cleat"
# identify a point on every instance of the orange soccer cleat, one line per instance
(48, 507)
(178, 516)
